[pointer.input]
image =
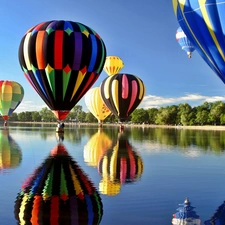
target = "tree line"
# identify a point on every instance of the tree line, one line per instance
(182, 114)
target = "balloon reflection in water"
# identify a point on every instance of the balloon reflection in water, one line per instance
(119, 165)
(186, 215)
(58, 192)
(96, 147)
(218, 218)
(10, 152)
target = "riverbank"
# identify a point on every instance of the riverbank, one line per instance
(206, 127)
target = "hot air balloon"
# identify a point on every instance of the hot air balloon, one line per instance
(120, 164)
(113, 65)
(219, 216)
(186, 215)
(58, 192)
(204, 24)
(61, 60)
(122, 93)
(10, 152)
(96, 105)
(183, 41)
(11, 95)
(98, 144)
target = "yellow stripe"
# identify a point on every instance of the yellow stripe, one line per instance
(106, 87)
(182, 3)
(113, 162)
(80, 78)
(25, 51)
(175, 7)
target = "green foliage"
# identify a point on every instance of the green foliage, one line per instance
(205, 114)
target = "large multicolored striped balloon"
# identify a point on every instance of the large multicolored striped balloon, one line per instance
(122, 93)
(61, 60)
(58, 192)
(113, 65)
(184, 42)
(204, 24)
(11, 95)
(96, 105)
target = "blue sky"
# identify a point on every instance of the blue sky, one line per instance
(141, 33)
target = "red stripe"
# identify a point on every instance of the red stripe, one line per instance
(58, 50)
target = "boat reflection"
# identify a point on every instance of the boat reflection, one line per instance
(96, 147)
(58, 192)
(10, 152)
(119, 165)
(218, 218)
(186, 215)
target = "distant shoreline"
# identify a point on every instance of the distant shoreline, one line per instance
(206, 127)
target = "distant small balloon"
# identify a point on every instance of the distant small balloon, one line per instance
(184, 42)
(113, 65)
(11, 95)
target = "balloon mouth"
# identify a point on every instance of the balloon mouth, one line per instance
(5, 117)
(61, 114)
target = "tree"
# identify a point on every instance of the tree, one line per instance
(13, 117)
(90, 118)
(216, 110)
(185, 113)
(139, 116)
(47, 115)
(36, 116)
(152, 113)
(202, 117)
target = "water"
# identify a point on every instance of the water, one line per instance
(140, 176)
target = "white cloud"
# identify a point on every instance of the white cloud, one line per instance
(29, 106)
(151, 101)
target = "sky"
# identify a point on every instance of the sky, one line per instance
(141, 33)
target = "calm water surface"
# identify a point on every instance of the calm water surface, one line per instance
(136, 177)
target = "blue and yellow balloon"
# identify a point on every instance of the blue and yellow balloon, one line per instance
(204, 24)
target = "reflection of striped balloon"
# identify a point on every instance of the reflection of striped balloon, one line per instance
(96, 147)
(121, 164)
(10, 152)
(11, 95)
(58, 192)
(186, 215)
